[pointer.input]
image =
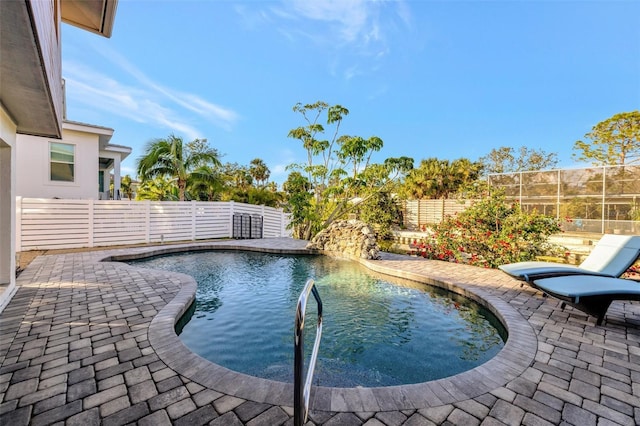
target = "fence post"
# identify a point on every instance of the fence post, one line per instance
(147, 221)
(90, 218)
(558, 194)
(193, 220)
(604, 198)
(520, 189)
(231, 219)
(404, 213)
(281, 210)
(18, 241)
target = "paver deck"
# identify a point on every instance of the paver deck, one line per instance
(86, 341)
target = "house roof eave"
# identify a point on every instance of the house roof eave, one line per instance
(124, 151)
(96, 16)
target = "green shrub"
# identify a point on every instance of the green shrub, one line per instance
(492, 232)
(383, 212)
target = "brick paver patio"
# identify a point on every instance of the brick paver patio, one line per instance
(86, 342)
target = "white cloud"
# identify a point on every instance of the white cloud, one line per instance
(351, 22)
(349, 31)
(220, 116)
(402, 9)
(141, 99)
(378, 93)
(168, 119)
(349, 16)
(351, 72)
(279, 172)
(225, 117)
(89, 87)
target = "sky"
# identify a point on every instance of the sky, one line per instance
(444, 79)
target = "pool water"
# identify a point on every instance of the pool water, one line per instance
(377, 331)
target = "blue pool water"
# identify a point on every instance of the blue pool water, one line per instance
(377, 331)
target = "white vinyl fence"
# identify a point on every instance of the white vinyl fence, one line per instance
(55, 224)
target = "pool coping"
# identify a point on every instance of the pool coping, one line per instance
(514, 358)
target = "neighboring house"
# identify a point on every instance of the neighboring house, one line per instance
(78, 165)
(31, 94)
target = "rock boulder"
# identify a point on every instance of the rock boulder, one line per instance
(347, 238)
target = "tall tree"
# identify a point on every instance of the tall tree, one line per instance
(170, 158)
(355, 152)
(248, 184)
(436, 178)
(507, 159)
(614, 141)
(338, 172)
(320, 165)
(259, 172)
(236, 182)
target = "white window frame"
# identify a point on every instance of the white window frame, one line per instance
(50, 161)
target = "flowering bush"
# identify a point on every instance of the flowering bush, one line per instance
(633, 273)
(492, 232)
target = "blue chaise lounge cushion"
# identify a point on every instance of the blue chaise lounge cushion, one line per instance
(611, 257)
(576, 287)
(589, 293)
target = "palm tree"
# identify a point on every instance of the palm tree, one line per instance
(237, 177)
(125, 187)
(157, 189)
(272, 186)
(259, 171)
(204, 183)
(439, 178)
(169, 158)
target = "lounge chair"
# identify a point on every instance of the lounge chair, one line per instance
(589, 293)
(611, 257)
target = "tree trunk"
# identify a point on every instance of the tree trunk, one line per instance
(181, 188)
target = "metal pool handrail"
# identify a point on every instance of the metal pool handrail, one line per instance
(301, 395)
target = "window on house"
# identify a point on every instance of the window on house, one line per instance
(62, 161)
(100, 180)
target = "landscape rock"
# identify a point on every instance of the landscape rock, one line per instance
(347, 238)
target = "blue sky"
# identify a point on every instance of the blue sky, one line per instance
(445, 79)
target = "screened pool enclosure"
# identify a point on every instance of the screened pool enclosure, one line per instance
(595, 199)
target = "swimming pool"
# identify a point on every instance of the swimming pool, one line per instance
(376, 332)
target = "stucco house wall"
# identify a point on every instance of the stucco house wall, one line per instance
(33, 178)
(30, 101)
(93, 155)
(7, 208)
(31, 95)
